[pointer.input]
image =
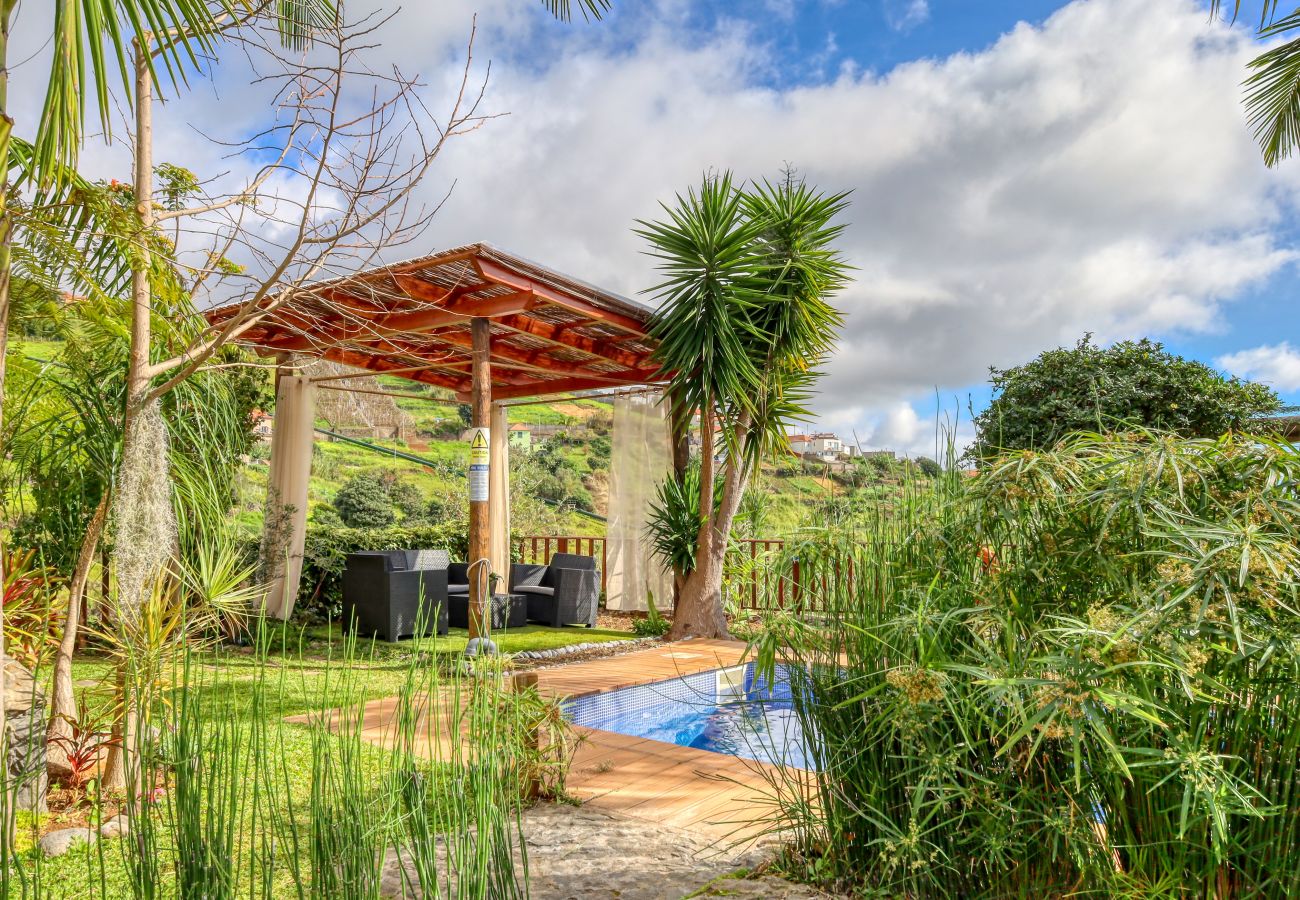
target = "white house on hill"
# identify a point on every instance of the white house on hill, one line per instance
(825, 446)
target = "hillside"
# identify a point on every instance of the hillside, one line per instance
(567, 469)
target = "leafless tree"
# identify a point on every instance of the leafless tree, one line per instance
(333, 188)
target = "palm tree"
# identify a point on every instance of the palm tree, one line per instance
(742, 326)
(1273, 87)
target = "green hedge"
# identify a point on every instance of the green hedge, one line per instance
(320, 595)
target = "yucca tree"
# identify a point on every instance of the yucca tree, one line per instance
(1273, 86)
(743, 325)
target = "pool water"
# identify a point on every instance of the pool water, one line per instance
(724, 711)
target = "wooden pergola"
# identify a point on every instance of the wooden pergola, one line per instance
(488, 325)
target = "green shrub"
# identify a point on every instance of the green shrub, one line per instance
(1130, 384)
(928, 467)
(364, 502)
(653, 625)
(407, 498)
(1077, 674)
(325, 555)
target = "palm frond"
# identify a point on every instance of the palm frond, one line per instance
(1273, 94)
(592, 10)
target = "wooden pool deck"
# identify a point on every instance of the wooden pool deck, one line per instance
(724, 797)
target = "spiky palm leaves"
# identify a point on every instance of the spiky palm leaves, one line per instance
(1273, 87)
(742, 327)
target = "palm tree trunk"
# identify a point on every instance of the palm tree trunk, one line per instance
(700, 611)
(122, 752)
(62, 702)
(6, 236)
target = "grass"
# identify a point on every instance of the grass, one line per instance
(251, 693)
(319, 640)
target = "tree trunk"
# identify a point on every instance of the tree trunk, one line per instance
(6, 235)
(700, 612)
(122, 753)
(63, 704)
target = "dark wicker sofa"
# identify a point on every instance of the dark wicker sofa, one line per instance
(385, 592)
(566, 592)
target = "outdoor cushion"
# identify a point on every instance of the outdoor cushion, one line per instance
(457, 588)
(534, 589)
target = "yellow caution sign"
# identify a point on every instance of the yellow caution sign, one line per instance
(480, 443)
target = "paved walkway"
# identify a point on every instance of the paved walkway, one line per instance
(580, 853)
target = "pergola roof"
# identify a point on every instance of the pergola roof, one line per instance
(550, 333)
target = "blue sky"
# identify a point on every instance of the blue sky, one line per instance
(1021, 172)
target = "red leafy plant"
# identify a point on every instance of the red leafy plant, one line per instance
(91, 736)
(31, 626)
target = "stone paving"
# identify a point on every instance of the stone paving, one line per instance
(579, 853)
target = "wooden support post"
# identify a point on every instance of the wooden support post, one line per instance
(480, 588)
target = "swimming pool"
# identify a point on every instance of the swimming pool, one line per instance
(723, 711)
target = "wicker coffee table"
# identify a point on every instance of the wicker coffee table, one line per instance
(508, 611)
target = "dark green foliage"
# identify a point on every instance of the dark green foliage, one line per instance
(560, 479)
(928, 467)
(466, 414)
(744, 319)
(1132, 384)
(598, 450)
(407, 498)
(674, 523)
(364, 502)
(326, 549)
(653, 625)
(66, 437)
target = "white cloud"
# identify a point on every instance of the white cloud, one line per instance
(1277, 366)
(904, 15)
(1094, 173)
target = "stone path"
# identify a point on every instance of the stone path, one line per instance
(579, 853)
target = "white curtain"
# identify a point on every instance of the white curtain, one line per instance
(640, 459)
(499, 494)
(285, 529)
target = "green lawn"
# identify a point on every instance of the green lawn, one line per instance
(319, 641)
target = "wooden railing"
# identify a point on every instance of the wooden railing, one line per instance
(753, 583)
(539, 548)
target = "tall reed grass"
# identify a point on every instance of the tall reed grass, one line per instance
(1077, 673)
(230, 799)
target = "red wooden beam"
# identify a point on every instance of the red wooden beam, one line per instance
(395, 367)
(502, 275)
(418, 289)
(567, 385)
(534, 359)
(560, 335)
(455, 311)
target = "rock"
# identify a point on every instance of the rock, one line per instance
(57, 843)
(24, 720)
(118, 826)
